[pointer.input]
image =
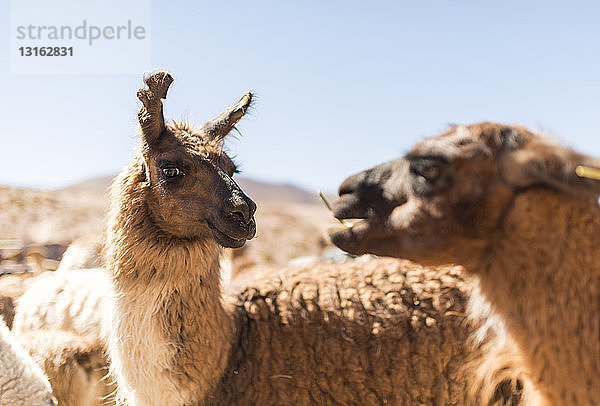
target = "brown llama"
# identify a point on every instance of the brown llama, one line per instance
(508, 206)
(387, 331)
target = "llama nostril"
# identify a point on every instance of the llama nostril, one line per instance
(243, 208)
(239, 215)
(241, 211)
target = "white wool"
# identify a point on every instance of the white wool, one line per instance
(81, 254)
(22, 382)
(72, 300)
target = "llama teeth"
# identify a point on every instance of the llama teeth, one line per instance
(347, 224)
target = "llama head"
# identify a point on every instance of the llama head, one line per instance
(191, 193)
(444, 200)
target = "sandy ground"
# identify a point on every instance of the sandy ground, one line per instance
(42, 217)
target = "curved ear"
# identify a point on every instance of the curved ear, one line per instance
(536, 162)
(151, 117)
(221, 125)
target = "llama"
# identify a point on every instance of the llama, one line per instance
(508, 206)
(382, 332)
(22, 382)
(77, 300)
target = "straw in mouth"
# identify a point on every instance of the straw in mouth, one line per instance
(345, 223)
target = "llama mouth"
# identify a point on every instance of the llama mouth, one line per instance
(224, 239)
(350, 238)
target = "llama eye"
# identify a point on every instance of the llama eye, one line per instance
(430, 172)
(427, 171)
(170, 172)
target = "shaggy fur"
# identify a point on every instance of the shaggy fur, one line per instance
(175, 336)
(61, 319)
(414, 284)
(73, 300)
(382, 332)
(508, 205)
(22, 382)
(499, 375)
(77, 301)
(385, 331)
(561, 341)
(76, 366)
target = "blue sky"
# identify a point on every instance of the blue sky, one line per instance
(342, 85)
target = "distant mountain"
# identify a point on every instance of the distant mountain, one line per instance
(280, 192)
(97, 185)
(255, 189)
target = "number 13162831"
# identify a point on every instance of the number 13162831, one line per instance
(46, 51)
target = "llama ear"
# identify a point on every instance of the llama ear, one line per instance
(221, 125)
(151, 117)
(540, 163)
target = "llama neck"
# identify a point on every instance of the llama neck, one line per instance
(542, 275)
(171, 335)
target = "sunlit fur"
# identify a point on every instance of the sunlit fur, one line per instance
(385, 331)
(521, 221)
(75, 365)
(165, 288)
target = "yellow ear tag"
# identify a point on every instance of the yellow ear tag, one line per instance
(586, 172)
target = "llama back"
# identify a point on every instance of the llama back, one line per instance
(77, 301)
(382, 331)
